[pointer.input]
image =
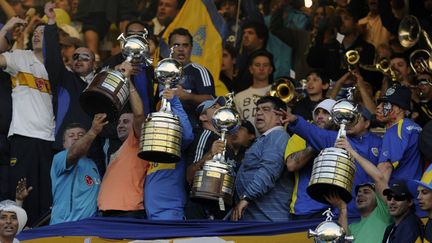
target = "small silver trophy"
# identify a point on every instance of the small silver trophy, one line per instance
(329, 231)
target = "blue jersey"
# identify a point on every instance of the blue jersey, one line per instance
(367, 145)
(302, 203)
(75, 189)
(400, 148)
(164, 190)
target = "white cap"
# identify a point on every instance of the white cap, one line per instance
(326, 104)
(20, 213)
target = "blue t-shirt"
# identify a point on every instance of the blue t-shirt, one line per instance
(74, 189)
(400, 148)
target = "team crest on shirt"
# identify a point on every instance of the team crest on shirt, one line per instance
(89, 181)
(375, 151)
(199, 40)
(40, 83)
(390, 91)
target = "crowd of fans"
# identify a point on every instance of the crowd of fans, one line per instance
(68, 165)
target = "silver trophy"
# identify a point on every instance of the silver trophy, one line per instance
(161, 134)
(135, 48)
(329, 231)
(333, 170)
(214, 184)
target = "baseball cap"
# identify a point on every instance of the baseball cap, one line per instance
(365, 112)
(426, 180)
(209, 103)
(399, 189)
(326, 104)
(398, 95)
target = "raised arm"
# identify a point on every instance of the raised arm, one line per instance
(80, 148)
(7, 9)
(53, 59)
(134, 99)
(4, 44)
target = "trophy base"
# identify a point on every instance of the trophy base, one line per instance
(95, 102)
(159, 157)
(319, 190)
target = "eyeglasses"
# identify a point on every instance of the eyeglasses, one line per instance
(396, 198)
(81, 57)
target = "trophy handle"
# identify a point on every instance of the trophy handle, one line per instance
(341, 132)
(221, 156)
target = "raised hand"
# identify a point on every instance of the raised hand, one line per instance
(98, 123)
(22, 191)
(49, 12)
(12, 22)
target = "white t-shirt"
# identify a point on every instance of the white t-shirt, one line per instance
(245, 104)
(32, 110)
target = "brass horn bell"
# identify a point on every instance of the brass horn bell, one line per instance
(352, 57)
(284, 89)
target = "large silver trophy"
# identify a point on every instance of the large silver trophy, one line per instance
(329, 231)
(214, 184)
(161, 133)
(109, 90)
(333, 169)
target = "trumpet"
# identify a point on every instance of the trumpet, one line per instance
(284, 89)
(352, 57)
(420, 61)
(409, 34)
(382, 66)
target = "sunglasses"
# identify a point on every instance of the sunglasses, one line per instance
(81, 57)
(396, 198)
(424, 82)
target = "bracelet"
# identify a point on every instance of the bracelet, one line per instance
(132, 90)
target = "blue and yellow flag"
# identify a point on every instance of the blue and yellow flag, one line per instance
(208, 29)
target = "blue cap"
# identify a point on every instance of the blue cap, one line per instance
(365, 112)
(209, 103)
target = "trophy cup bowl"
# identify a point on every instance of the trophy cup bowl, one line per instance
(135, 48)
(169, 71)
(327, 231)
(107, 93)
(333, 170)
(161, 133)
(226, 119)
(345, 112)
